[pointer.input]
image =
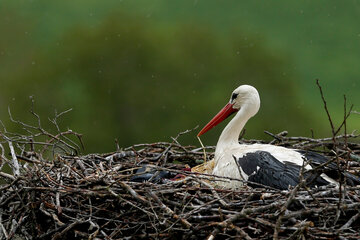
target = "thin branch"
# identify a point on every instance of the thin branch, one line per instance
(326, 108)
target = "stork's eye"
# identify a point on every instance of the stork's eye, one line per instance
(234, 96)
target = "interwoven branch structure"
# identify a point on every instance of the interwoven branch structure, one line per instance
(91, 197)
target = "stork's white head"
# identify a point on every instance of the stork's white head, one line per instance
(244, 97)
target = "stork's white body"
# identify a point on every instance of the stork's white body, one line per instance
(226, 166)
(268, 164)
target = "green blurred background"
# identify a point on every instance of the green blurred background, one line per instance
(145, 70)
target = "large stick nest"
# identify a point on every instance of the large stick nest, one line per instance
(91, 197)
(50, 191)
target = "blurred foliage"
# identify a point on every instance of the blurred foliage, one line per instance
(128, 78)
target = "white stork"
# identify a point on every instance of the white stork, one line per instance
(266, 164)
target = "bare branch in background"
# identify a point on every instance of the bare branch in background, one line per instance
(59, 141)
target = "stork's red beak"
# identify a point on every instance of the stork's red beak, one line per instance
(221, 116)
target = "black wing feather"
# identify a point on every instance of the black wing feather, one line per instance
(330, 169)
(265, 169)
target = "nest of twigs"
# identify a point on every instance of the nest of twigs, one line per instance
(50, 191)
(91, 197)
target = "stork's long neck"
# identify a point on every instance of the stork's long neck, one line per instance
(230, 134)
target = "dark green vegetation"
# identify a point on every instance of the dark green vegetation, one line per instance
(142, 71)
